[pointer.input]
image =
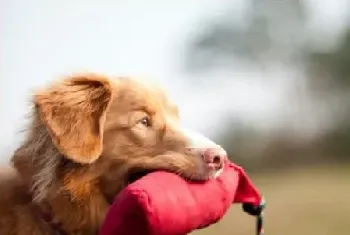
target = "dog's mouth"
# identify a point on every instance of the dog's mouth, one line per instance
(135, 175)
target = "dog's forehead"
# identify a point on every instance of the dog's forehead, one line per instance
(142, 91)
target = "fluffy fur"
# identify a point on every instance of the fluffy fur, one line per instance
(89, 135)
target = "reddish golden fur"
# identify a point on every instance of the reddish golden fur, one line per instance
(85, 139)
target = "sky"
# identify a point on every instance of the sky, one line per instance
(43, 40)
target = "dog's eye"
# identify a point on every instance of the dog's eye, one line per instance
(145, 121)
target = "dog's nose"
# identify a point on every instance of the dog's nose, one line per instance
(214, 157)
(212, 154)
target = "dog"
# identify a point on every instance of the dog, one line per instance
(89, 137)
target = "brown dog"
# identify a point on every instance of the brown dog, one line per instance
(90, 136)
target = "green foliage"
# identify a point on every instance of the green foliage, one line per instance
(273, 31)
(333, 65)
(337, 142)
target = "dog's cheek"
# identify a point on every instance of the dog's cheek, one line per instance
(117, 144)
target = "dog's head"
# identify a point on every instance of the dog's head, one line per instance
(108, 131)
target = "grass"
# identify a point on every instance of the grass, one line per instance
(310, 201)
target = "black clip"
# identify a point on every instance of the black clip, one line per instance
(256, 211)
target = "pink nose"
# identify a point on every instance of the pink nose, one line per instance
(214, 157)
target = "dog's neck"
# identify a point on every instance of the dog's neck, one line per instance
(37, 160)
(76, 202)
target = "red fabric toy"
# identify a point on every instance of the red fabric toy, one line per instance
(163, 203)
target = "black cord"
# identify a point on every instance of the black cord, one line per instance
(256, 211)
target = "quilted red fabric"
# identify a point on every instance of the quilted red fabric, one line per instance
(163, 203)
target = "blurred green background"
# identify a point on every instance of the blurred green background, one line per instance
(306, 181)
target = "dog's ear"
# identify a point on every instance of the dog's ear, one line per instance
(74, 112)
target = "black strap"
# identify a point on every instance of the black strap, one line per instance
(258, 212)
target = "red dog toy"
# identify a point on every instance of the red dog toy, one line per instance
(163, 203)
